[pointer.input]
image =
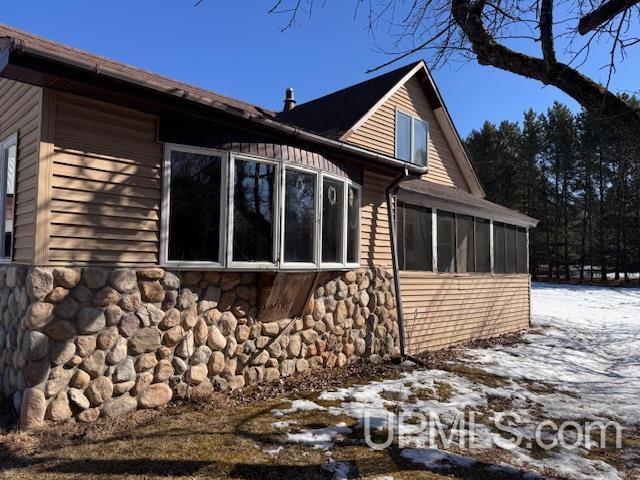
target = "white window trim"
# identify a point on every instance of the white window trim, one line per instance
(234, 264)
(284, 265)
(4, 145)
(413, 118)
(355, 186)
(343, 249)
(166, 208)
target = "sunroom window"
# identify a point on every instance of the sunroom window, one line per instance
(276, 214)
(8, 153)
(412, 138)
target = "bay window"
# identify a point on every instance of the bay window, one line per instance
(229, 210)
(253, 224)
(412, 138)
(8, 154)
(299, 238)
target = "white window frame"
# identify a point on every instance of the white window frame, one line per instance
(414, 119)
(316, 221)
(355, 186)
(166, 207)
(276, 217)
(11, 140)
(343, 249)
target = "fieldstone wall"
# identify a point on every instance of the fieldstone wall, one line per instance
(91, 342)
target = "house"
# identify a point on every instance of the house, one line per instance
(160, 239)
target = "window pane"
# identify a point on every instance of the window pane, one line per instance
(465, 243)
(499, 252)
(194, 218)
(253, 207)
(414, 238)
(9, 201)
(483, 245)
(446, 242)
(332, 220)
(403, 136)
(523, 261)
(420, 136)
(512, 254)
(353, 225)
(299, 216)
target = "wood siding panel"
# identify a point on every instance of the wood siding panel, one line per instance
(378, 133)
(375, 240)
(106, 187)
(20, 111)
(443, 310)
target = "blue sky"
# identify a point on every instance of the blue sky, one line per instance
(237, 49)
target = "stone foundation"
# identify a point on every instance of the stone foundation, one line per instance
(91, 342)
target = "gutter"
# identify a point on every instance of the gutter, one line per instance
(392, 191)
(19, 47)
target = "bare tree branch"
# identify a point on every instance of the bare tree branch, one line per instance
(603, 14)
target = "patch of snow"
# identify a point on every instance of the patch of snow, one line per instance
(321, 438)
(297, 406)
(273, 451)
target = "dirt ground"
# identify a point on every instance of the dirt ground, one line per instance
(234, 436)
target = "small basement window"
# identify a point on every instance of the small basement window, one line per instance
(8, 154)
(276, 215)
(414, 238)
(412, 139)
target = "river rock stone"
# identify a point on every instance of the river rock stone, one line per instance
(146, 361)
(33, 408)
(216, 363)
(151, 292)
(170, 281)
(94, 364)
(94, 277)
(118, 352)
(123, 280)
(99, 391)
(39, 283)
(90, 320)
(216, 340)
(163, 371)
(89, 415)
(58, 409)
(106, 296)
(80, 380)
(86, 345)
(35, 345)
(78, 398)
(61, 352)
(155, 395)
(119, 406)
(38, 315)
(145, 340)
(60, 330)
(66, 277)
(125, 371)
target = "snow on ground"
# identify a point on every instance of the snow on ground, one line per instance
(580, 362)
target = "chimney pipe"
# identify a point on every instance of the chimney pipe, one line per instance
(289, 100)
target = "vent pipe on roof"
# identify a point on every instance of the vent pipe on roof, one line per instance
(289, 100)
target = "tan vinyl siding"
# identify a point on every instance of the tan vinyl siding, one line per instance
(443, 310)
(378, 133)
(105, 185)
(375, 241)
(20, 111)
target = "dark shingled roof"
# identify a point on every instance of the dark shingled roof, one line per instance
(334, 114)
(441, 197)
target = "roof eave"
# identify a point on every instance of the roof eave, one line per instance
(11, 47)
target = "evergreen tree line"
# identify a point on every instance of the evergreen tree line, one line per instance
(578, 178)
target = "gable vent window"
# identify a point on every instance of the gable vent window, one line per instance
(226, 210)
(412, 139)
(8, 153)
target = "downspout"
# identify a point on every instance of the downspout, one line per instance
(392, 191)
